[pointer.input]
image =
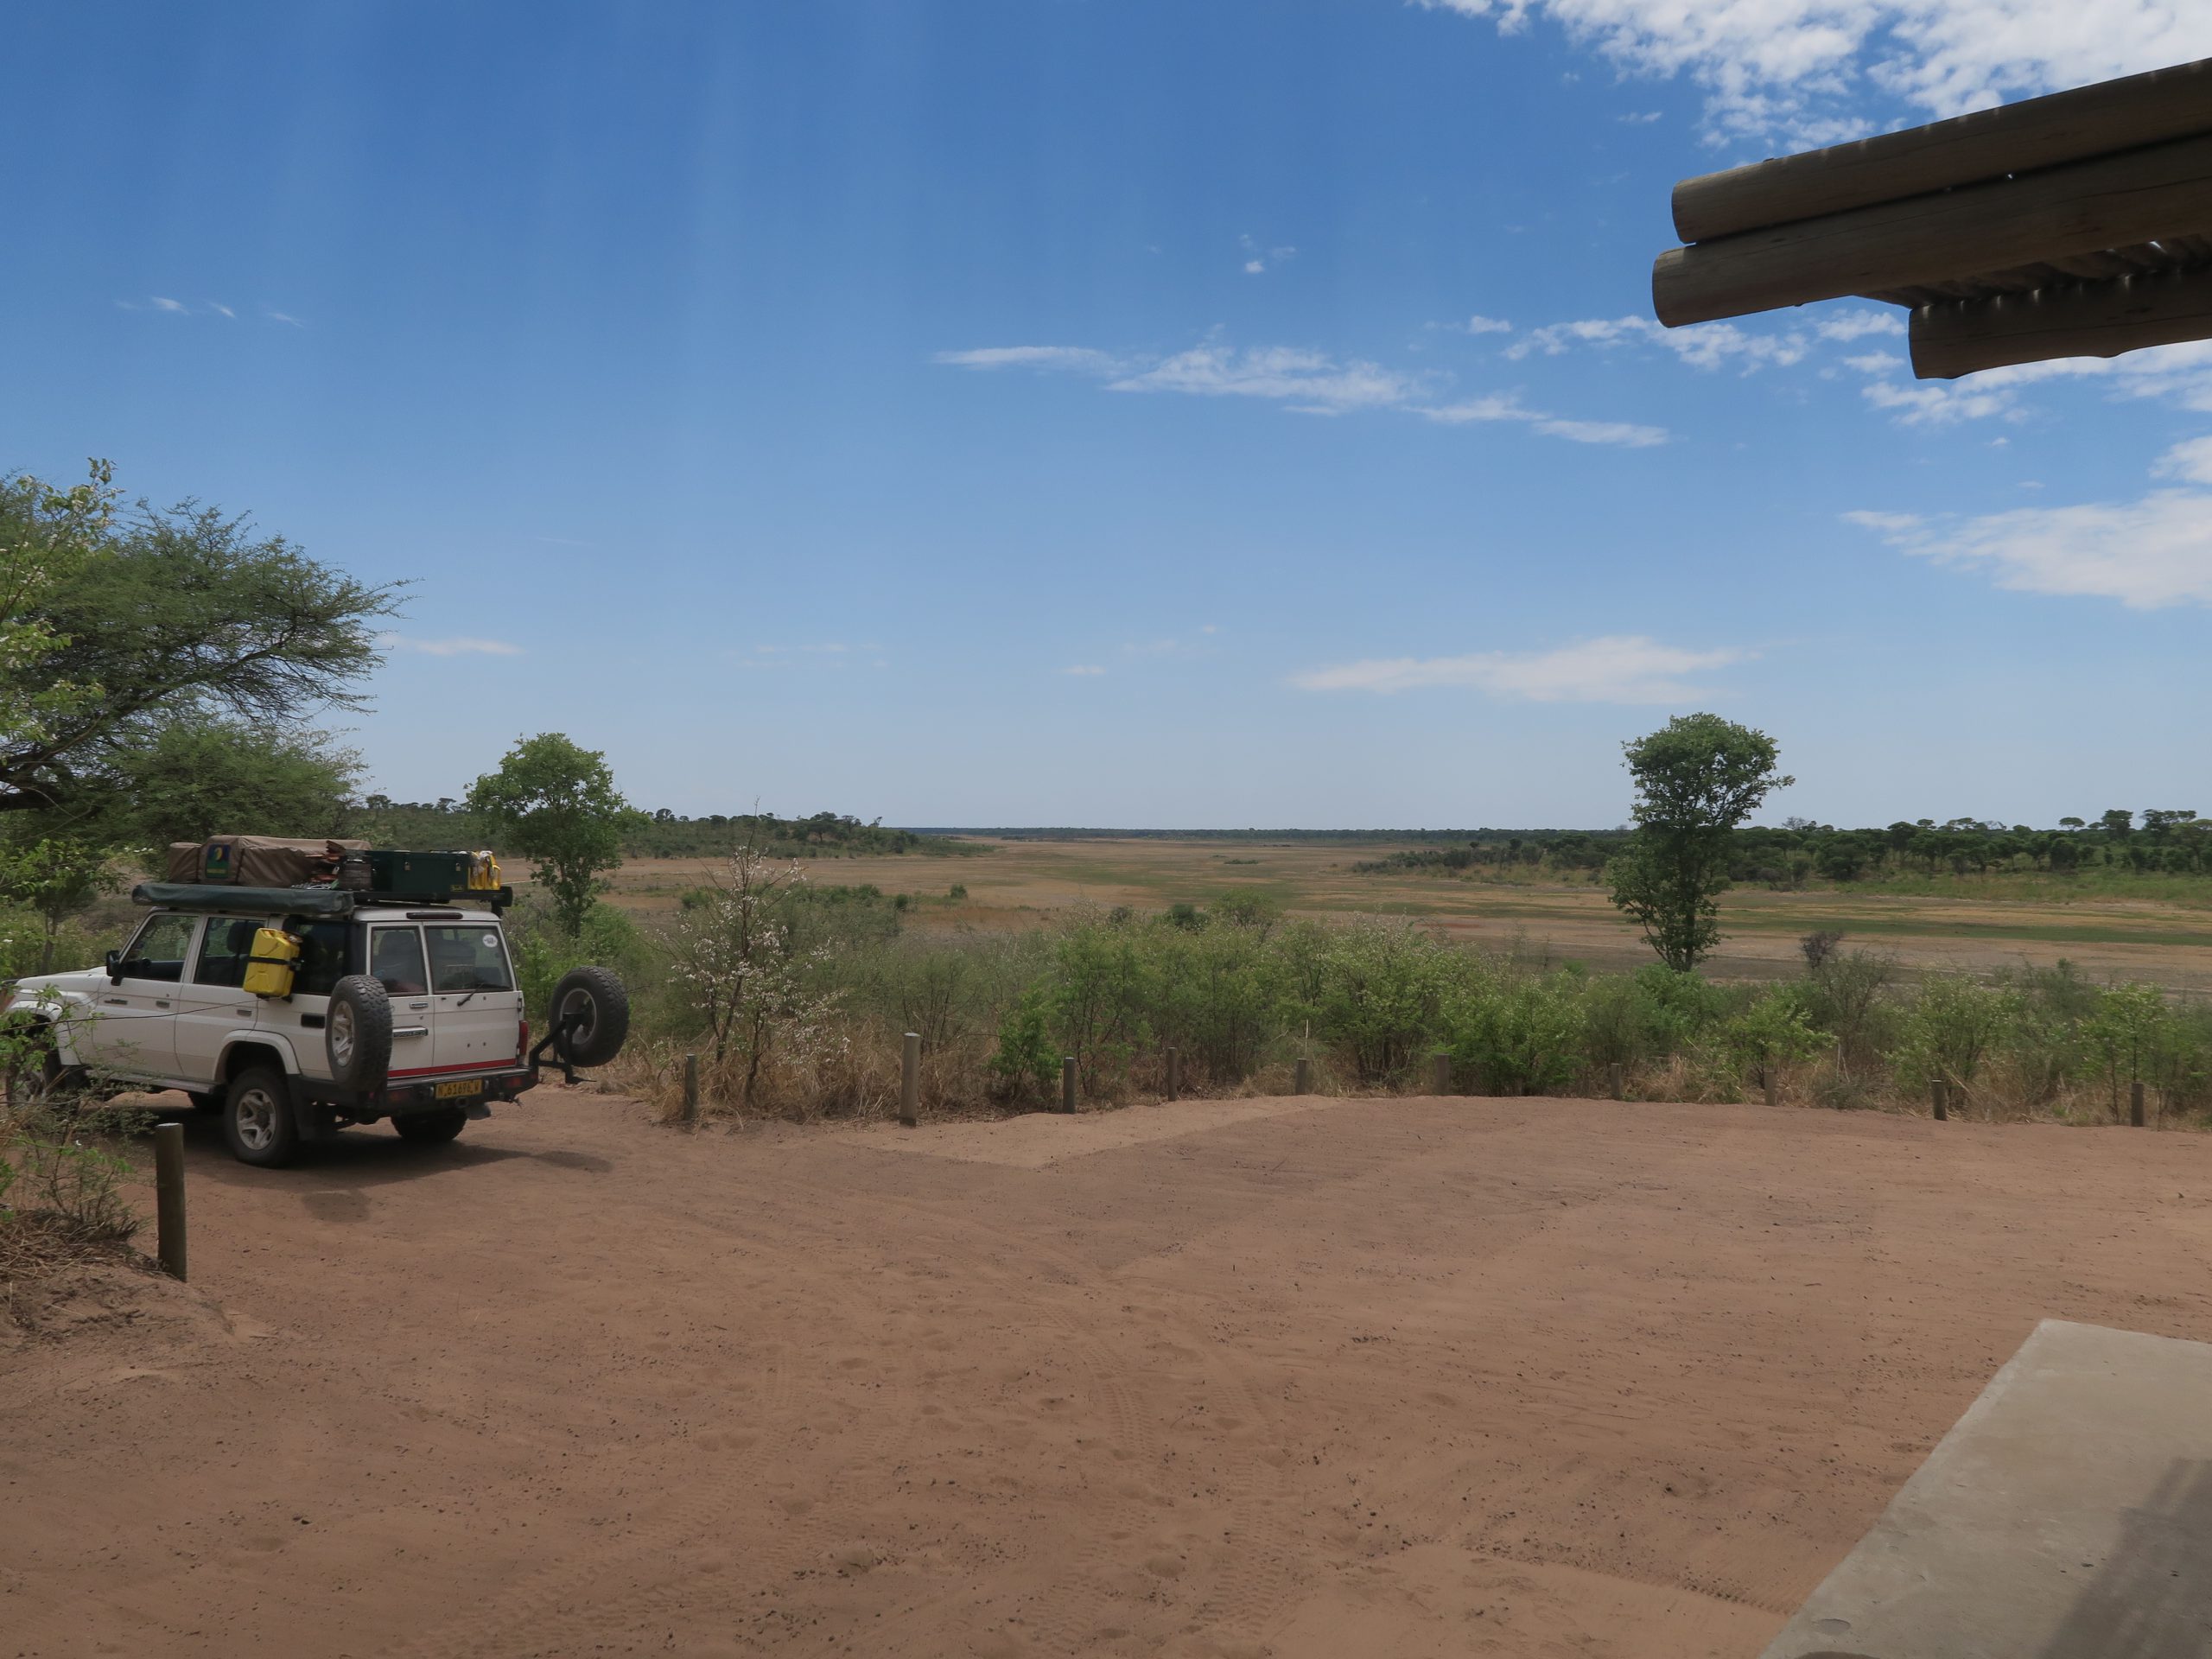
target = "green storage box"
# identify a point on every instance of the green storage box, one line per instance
(423, 875)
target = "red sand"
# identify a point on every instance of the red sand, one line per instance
(1293, 1378)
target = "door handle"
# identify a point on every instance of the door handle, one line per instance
(161, 1001)
(418, 1005)
(119, 1002)
(246, 1010)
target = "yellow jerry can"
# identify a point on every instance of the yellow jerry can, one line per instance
(275, 958)
(483, 873)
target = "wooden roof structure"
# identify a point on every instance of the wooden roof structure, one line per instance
(2076, 225)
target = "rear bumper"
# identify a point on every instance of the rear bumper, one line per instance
(403, 1095)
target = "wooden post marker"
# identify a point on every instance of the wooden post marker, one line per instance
(910, 1077)
(168, 1197)
(1936, 1092)
(1305, 1083)
(1773, 1087)
(1440, 1083)
(1617, 1074)
(1174, 1074)
(1067, 1083)
(690, 1091)
(2135, 1104)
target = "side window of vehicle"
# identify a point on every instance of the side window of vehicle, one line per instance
(396, 960)
(158, 951)
(323, 955)
(225, 949)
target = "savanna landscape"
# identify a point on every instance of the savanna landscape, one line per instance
(647, 1005)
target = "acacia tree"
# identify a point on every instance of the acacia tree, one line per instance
(1696, 779)
(746, 972)
(555, 802)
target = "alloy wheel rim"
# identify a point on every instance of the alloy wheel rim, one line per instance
(256, 1120)
(341, 1035)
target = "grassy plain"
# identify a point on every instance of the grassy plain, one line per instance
(2154, 928)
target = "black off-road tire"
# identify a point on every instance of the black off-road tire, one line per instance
(258, 1119)
(431, 1128)
(595, 998)
(357, 1033)
(205, 1102)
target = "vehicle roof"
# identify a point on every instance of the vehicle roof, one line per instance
(362, 914)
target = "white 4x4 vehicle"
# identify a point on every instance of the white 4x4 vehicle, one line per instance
(409, 1011)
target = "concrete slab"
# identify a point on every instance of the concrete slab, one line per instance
(2067, 1515)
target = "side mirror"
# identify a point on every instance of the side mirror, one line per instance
(115, 967)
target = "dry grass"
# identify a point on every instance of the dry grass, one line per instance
(1974, 929)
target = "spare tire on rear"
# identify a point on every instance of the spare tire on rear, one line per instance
(357, 1033)
(590, 1016)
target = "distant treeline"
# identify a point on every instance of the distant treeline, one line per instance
(662, 834)
(2158, 841)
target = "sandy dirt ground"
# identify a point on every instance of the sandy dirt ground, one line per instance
(1294, 1379)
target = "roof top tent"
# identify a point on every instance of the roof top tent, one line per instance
(2078, 225)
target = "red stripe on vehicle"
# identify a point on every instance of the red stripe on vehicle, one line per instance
(437, 1071)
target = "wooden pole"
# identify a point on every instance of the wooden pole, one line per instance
(2113, 201)
(1174, 1073)
(1305, 1083)
(1067, 1083)
(1936, 1097)
(1441, 1067)
(910, 1077)
(2036, 132)
(1767, 1079)
(1617, 1074)
(691, 1092)
(2096, 319)
(168, 1197)
(2135, 1104)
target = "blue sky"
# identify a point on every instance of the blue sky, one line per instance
(1059, 411)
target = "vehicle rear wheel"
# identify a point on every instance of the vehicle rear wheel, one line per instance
(357, 1033)
(258, 1121)
(431, 1128)
(590, 1015)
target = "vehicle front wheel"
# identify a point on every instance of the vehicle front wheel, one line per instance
(258, 1120)
(431, 1128)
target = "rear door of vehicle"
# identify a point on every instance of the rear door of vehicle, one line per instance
(476, 1011)
(213, 1003)
(396, 962)
(133, 1032)
(326, 956)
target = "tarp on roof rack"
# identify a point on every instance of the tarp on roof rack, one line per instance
(201, 899)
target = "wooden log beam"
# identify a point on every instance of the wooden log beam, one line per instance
(2093, 319)
(2035, 133)
(2110, 202)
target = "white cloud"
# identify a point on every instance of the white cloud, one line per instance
(161, 304)
(1305, 381)
(1083, 670)
(1311, 382)
(1702, 346)
(2190, 459)
(221, 310)
(1621, 668)
(2180, 374)
(1806, 69)
(2147, 554)
(278, 317)
(1259, 260)
(1640, 118)
(462, 646)
(1079, 359)
(1479, 324)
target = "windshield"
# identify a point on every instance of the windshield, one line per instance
(468, 958)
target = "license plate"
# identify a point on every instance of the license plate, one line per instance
(460, 1089)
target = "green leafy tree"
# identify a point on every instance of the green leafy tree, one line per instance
(555, 803)
(114, 626)
(202, 778)
(57, 877)
(2127, 1033)
(1696, 779)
